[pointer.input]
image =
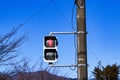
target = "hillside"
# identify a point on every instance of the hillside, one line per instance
(39, 75)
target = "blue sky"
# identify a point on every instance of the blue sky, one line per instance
(102, 20)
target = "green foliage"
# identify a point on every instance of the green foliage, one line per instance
(110, 72)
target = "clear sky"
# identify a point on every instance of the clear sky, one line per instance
(102, 22)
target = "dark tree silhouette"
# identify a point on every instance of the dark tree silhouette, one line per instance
(9, 45)
(98, 73)
(110, 72)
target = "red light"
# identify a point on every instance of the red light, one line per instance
(50, 43)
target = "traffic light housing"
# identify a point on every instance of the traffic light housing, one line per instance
(50, 49)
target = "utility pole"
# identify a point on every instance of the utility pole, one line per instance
(81, 41)
(82, 73)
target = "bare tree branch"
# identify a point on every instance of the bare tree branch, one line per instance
(9, 45)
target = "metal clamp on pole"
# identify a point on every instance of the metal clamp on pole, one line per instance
(81, 32)
(81, 7)
(79, 65)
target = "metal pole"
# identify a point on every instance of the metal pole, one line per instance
(81, 41)
(72, 65)
(53, 33)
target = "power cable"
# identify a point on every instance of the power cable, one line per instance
(75, 44)
(93, 53)
(58, 9)
(72, 17)
(36, 13)
(112, 58)
(99, 61)
(69, 24)
(74, 30)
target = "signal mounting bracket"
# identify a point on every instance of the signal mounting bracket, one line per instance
(74, 32)
(72, 65)
(69, 65)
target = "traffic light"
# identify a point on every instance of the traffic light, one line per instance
(50, 49)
